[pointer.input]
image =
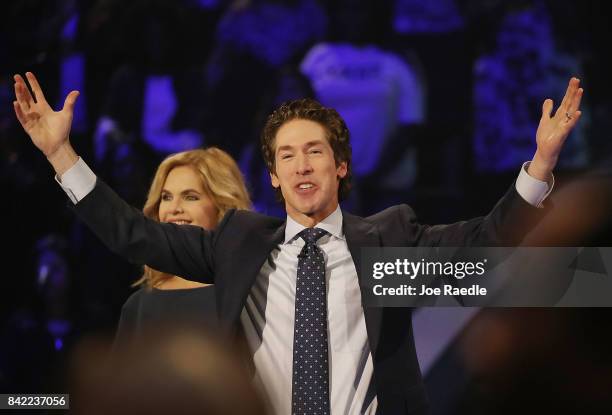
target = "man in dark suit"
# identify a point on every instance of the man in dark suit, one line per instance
(291, 287)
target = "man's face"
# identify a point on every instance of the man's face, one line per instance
(306, 171)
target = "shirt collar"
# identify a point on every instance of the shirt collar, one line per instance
(332, 224)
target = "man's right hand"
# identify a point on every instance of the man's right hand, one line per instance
(48, 129)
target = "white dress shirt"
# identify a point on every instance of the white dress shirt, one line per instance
(268, 315)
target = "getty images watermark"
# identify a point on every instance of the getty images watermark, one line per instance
(412, 270)
(494, 277)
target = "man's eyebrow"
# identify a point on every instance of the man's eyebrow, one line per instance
(313, 143)
(308, 144)
(281, 148)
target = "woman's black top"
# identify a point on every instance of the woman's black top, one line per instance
(148, 309)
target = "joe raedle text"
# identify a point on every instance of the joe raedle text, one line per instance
(446, 289)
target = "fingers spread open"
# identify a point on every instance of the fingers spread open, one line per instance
(22, 98)
(70, 101)
(20, 115)
(38, 93)
(24, 91)
(547, 108)
(569, 93)
(575, 104)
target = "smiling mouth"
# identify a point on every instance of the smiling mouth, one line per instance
(180, 222)
(305, 188)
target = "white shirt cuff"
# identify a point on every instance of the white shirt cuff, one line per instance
(534, 191)
(77, 181)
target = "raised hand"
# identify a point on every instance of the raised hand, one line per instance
(553, 130)
(48, 129)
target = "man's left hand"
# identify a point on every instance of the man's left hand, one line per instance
(553, 130)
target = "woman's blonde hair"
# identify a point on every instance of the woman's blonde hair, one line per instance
(221, 179)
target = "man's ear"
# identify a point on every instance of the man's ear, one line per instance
(274, 180)
(342, 169)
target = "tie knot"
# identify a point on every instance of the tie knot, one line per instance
(312, 235)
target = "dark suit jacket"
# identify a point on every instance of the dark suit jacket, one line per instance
(232, 255)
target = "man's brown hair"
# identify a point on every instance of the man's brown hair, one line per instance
(308, 109)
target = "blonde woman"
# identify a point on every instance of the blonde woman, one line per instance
(194, 188)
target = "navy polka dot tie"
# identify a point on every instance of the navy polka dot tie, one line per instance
(310, 389)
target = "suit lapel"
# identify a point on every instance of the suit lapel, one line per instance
(359, 234)
(258, 250)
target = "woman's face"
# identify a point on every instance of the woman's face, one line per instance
(184, 201)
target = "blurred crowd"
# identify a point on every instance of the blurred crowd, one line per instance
(442, 99)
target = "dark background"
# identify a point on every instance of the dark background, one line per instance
(483, 68)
